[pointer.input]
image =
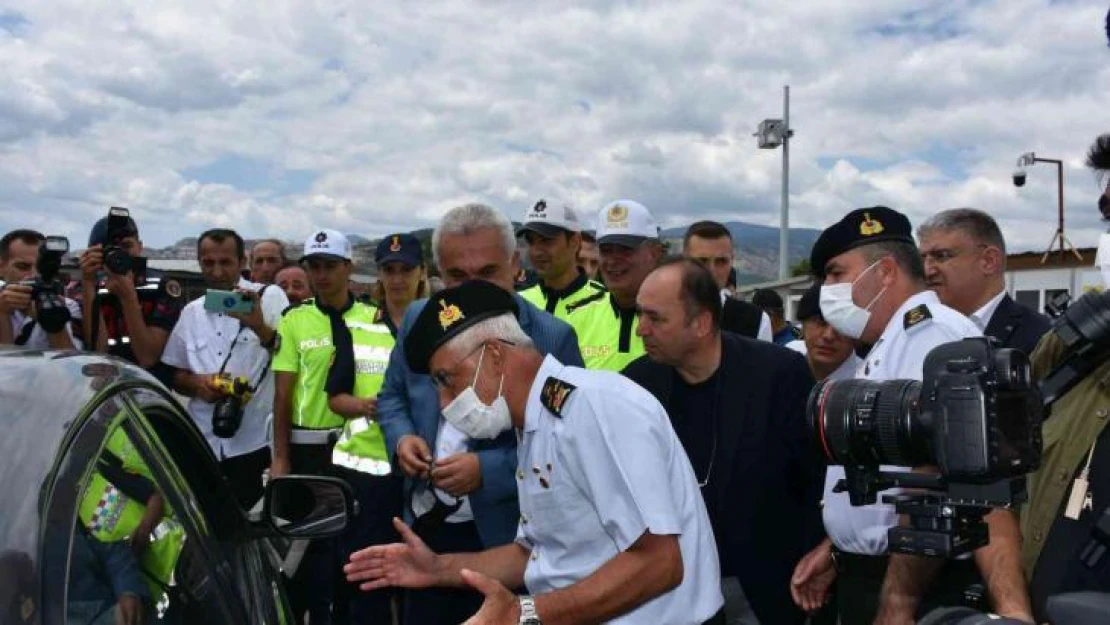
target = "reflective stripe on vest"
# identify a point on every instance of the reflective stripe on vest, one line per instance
(361, 447)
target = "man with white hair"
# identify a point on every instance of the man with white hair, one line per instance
(460, 492)
(612, 527)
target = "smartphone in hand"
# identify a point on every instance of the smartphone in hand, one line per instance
(227, 302)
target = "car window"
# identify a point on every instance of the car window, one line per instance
(138, 544)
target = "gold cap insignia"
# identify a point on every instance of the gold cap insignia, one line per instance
(870, 227)
(449, 315)
(617, 213)
(396, 245)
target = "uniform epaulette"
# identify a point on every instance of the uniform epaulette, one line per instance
(589, 300)
(554, 395)
(916, 315)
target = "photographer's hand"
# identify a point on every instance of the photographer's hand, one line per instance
(254, 320)
(91, 262)
(15, 297)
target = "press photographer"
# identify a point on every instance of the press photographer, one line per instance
(221, 349)
(1066, 523)
(128, 318)
(874, 292)
(32, 295)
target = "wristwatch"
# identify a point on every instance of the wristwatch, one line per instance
(528, 614)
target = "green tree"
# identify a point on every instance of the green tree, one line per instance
(802, 268)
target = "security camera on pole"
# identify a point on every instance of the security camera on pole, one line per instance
(1028, 160)
(771, 134)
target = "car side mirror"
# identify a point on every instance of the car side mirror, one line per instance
(308, 506)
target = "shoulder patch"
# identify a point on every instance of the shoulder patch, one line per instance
(589, 300)
(915, 316)
(171, 287)
(554, 395)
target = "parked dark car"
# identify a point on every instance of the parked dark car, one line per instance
(93, 449)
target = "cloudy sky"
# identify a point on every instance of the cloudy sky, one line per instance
(281, 116)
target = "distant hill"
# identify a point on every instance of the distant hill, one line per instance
(757, 248)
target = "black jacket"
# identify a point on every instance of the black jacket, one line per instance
(769, 479)
(740, 317)
(1017, 326)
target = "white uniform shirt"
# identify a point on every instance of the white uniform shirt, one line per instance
(38, 338)
(199, 344)
(899, 354)
(596, 477)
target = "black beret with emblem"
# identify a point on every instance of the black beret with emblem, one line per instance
(449, 312)
(862, 226)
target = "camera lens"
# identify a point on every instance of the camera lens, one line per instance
(865, 422)
(117, 261)
(227, 416)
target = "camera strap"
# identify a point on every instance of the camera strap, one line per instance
(25, 332)
(265, 367)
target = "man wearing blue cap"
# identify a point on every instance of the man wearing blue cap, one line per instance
(123, 318)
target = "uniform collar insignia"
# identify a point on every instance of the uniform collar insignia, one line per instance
(916, 315)
(554, 395)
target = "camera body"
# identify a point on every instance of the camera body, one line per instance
(227, 414)
(116, 259)
(47, 291)
(1019, 178)
(976, 416)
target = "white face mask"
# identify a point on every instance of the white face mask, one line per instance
(840, 310)
(474, 418)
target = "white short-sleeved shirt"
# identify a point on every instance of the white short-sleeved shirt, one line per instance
(200, 342)
(597, 476)
(899, 354)
(38, 338)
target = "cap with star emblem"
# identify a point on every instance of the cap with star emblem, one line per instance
(448, 313)
(327, 244)
(402, 248)
(862, 226)
(549, 219)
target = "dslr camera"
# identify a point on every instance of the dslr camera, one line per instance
(116, 259)
(47, 290)
(976, 415)
(227, 415)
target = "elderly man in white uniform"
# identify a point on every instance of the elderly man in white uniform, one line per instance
(612, 527)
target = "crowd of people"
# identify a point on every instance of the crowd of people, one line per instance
(622, 441)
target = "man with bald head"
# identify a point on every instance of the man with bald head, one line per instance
(738, 407)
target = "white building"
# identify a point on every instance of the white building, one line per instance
(1028, 280)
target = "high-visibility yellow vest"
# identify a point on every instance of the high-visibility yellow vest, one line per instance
(606, 335)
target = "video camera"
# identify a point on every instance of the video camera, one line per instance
(47, 291)
(976, 415)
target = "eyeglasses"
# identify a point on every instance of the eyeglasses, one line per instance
(441, 378)
(942, 255)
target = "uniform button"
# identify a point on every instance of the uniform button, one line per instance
(535, 556)
(520, 474)
(1062, 476)
(1101, 413)
(524, 519)
(1038, 536)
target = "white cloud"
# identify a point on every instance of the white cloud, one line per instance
(401, 111)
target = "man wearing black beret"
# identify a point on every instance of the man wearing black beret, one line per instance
(874, 292)
(611, 529)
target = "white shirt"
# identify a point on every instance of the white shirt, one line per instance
(451, 441)
(765, 331)
(982, 317)
(593, 478)
(899, 354)
(38, 338)
(199, 344)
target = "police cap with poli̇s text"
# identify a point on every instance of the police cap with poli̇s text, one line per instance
(448, 313)
(862, 226)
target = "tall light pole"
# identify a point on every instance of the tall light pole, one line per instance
(1028, 160)
(772, 133)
